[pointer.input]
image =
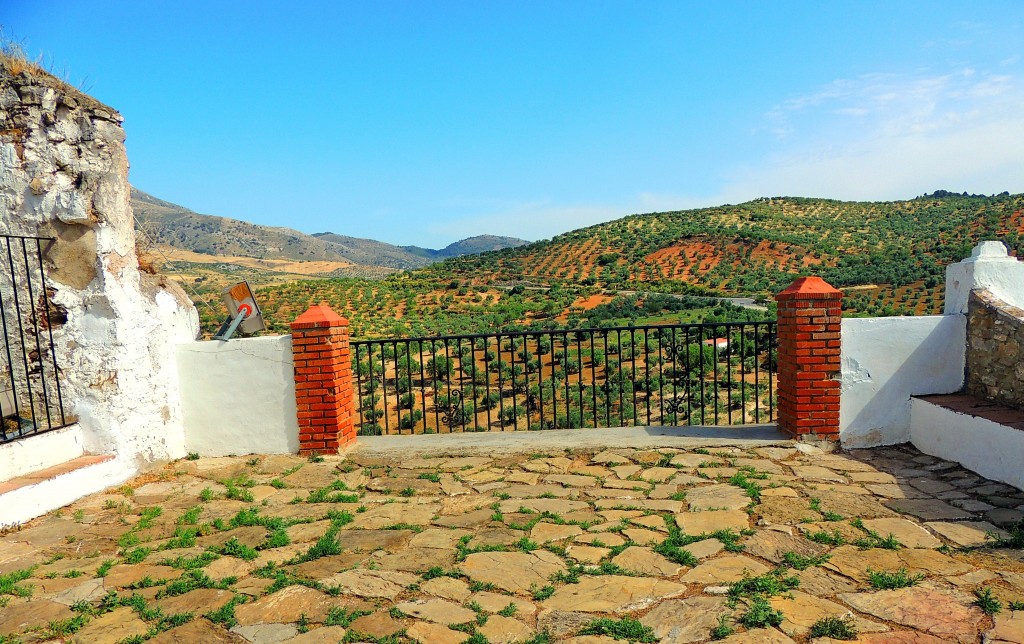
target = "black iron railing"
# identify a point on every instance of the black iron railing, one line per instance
(692, 374)
(30, 395)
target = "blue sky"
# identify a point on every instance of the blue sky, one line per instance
(425, 122)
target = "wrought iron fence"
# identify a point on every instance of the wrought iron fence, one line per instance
(30, 395)
(691, 374)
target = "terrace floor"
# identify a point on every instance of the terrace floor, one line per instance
(746, 544)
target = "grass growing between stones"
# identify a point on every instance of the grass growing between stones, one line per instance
(327, 544)
(745, 479)
(892, 580)
(760, 614)
(193, 580)
(225, 615)
(767, 585)
(1014, 540)
(136, 555)
(672, 547)
(62, 628)
(829, 539)
(834, 627)
(987, 602)
(234, 548)
(873, 539)
(104, 568)
(10, 583)
(800, 562)
(438, 571)
(237, 488)
(723, 630)
(342, 616)
(756, 591)
(463, 549)
(540, 594)
(191, 516)
(333, 493)
(626, 628)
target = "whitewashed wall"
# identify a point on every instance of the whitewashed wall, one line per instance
(238, 397)
(885, 361)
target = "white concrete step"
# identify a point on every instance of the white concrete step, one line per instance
(983, 437)
(35, 493)
(40, 451)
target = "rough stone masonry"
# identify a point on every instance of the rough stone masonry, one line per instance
(64, 174)
(995, 334)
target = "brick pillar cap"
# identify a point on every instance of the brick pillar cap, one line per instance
(318, 316)
(810, 288)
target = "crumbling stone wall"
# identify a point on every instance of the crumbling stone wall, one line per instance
(64, 174)
(995, 337)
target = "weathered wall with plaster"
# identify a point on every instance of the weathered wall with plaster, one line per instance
(64, 174)
(995, 338)
(885, 361)
(239, 396)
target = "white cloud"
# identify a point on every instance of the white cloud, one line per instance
(892, 136)
(876, 137)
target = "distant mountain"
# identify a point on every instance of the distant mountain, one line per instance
(173, 225)
(468, 246)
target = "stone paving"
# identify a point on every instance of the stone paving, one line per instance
(768, 544)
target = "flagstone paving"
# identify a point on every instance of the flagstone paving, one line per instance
(771, 544)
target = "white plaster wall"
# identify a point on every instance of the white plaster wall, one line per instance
(885, 361)
(239, 396)
(988, 448)
(40, 451)
(990, 267)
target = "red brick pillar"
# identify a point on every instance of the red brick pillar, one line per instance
(323, 381)
(808, 359)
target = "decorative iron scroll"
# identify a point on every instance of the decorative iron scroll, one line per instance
(676, 405)
(674, 351)
(454, 413)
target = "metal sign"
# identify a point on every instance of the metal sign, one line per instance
(245, 312)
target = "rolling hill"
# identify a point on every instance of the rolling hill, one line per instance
(169, 224)
(760, 246)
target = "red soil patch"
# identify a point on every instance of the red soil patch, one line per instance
(592, 302)
(583, 304)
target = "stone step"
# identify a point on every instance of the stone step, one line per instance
(39, 451)
(38, 476)
(35, 493)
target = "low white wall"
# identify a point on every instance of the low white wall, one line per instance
(238, 397)
(988, 448)
(38, 452)
(885, 361)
